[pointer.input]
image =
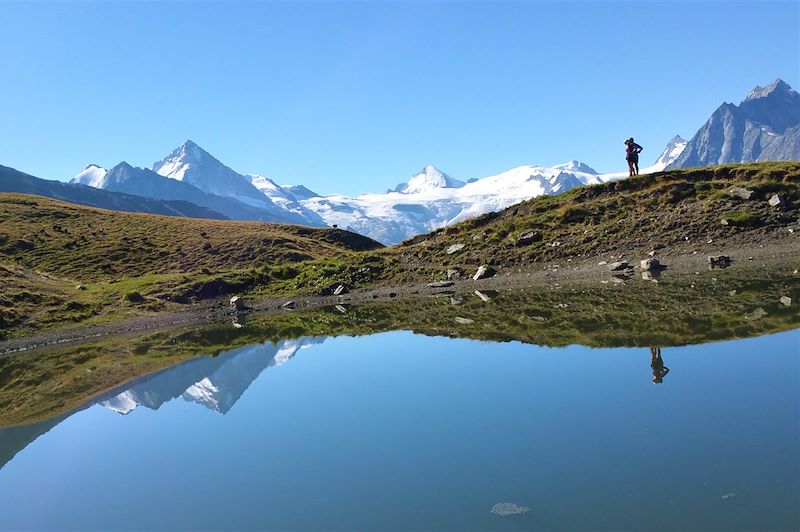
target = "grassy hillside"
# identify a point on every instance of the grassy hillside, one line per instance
(93, 244)
(133, 264)
(648, 212)
(48, 248)
(673, 211)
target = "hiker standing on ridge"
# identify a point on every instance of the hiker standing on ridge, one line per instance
(632, 156)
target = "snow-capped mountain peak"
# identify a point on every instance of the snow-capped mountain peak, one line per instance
(671, 152)
(430, 178)
(92, 176)
(176, 164)
(576, 166)
(192, 164)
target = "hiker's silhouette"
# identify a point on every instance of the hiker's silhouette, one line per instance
(632, 156)
(657, 363)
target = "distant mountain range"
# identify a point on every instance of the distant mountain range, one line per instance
(427, 201)
(12, 180)
(763, 127)
(191, 182)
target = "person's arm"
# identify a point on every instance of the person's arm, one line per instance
(638, 148)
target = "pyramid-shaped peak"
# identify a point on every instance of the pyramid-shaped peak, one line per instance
(776, 87)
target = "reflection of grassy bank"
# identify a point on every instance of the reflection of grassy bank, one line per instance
(36, 386)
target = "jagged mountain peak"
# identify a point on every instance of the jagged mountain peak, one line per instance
(671, 152)
(181, 159)
(776, 87)
(428, 179)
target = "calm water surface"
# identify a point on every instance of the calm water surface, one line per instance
(400, 431)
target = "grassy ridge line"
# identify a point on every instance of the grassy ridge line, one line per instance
(653, 211)
(91, 244)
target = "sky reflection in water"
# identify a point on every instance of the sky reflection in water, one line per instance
(399, 431)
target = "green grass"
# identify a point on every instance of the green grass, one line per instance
(49, 247)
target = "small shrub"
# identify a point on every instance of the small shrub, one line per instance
(133, 297)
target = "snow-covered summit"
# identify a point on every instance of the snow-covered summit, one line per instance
(91, 176)
(671, 152)
(430, 178)
(192, 164)
(576, 166)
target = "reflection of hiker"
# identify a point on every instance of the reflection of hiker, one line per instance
(659, 369)
(632, 156)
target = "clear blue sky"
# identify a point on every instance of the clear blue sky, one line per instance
(355, 96)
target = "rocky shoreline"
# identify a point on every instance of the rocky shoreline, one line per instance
(781, 254)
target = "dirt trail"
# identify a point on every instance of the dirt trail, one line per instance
(780, 256)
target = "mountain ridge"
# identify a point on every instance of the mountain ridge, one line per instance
(765, 126)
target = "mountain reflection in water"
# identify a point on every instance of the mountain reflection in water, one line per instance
(213, 382)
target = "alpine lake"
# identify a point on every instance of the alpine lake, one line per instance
(670, 405)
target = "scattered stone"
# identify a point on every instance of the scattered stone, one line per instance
(652, 253)
(651, 264)
(80, 287)
(620, 265)
(483, 296)
(504, 509)
(289, 304)
(718, 261)
(732, 293)
(440, 284)
(455, 248)
(237, 303)
(618, 280)
(340, 309)
(538, 318)
(453, 275)
(483, 272)
(741, 193)
(555, 244)
(479, 236)
(650, 275)
(756, 314)
(602, 263)
(786, 301)
(464, 321)
(339, 290)
(710, 241)
(776, 201)
(456, 300)
(528, 238)
(724, 221)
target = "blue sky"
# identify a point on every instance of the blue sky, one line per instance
(356, 96)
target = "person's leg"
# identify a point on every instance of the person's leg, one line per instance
(630, 168)
(636, 166)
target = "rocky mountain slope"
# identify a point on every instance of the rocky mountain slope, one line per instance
(763, 127)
